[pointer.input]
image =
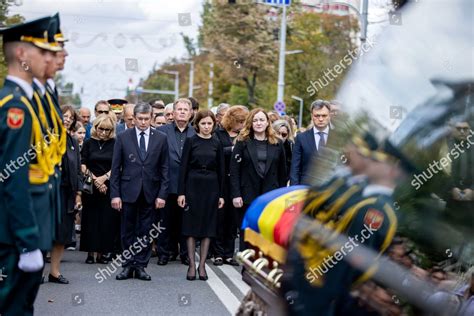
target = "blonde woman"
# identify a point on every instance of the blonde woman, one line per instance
(258, 163)
(283, 130)
(100, 226)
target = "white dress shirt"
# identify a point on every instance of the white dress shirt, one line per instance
(317, 137)
(23, 84)
(147, 136)
(51, 84)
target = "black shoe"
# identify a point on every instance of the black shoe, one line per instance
(60, 279)
(231, 261)
(90, 260)
(218, 261)
(173, 258)
(185, 260)
(102, 260)
(108, 256)
(127, 273)
(202, 277)
(162, 261)
(141, 274)
(191, 277)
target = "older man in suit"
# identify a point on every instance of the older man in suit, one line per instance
(176, 133)
(128, 120)
(309, 143)
(139, 185)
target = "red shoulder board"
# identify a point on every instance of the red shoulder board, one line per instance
(15, 118)
(373, 218)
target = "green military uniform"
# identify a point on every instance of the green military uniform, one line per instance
(22, 143)
(50, 113)
(346, 204)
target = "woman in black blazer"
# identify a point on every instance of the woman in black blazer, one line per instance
(224, 245)
(71, 201)
(258, 163)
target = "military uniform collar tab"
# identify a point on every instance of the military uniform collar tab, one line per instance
(40, 86)
(373, 189)
(27, 88)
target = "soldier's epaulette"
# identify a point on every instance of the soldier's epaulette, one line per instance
(12, 100)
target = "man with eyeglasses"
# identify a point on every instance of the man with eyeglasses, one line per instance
(101, 107)
(311, 142)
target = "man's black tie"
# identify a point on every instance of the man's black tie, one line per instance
(322, 143)
(142, 145)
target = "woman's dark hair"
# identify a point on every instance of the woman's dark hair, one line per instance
(69, 108)
(201, 115)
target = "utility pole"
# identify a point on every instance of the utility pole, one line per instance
(281, 63)
(176, 82)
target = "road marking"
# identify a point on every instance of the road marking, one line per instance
(236, 278)
(227, 298)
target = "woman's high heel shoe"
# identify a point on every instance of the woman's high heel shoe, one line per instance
(191, 277)
(203, 277)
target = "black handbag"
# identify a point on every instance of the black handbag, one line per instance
(88, 185)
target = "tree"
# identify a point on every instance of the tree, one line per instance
(241, 39)
(6, 21)
(325, 40)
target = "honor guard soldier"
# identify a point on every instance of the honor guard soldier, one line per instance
(46, 101)
(25, 165)
(319, 277)
(116, 105)
(48, 211)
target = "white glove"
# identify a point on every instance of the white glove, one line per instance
(31, 261)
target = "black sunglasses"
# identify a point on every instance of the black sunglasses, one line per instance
(100, 129)
(103, 112)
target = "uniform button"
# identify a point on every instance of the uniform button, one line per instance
(50, 186)
(56, 175)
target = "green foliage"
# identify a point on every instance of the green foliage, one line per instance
(6, 21)
(239, 40)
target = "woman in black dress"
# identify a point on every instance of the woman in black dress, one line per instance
(70, 195)
(200, 189)
(100, 225)
(224, 245)
(283, 130)
(258, 163)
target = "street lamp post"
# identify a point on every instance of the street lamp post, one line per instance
(176, 82)
(191, 78)
(300, 116)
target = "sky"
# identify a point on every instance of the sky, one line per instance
(111, 41)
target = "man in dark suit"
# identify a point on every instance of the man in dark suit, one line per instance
(176, 133)
(309, 143)
(139, 185)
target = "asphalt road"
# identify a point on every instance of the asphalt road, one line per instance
(168, 293)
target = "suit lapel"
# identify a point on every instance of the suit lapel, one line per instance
(252, 149)
(151, 142)
(311, 140)
(271, 154)
(173, 139)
